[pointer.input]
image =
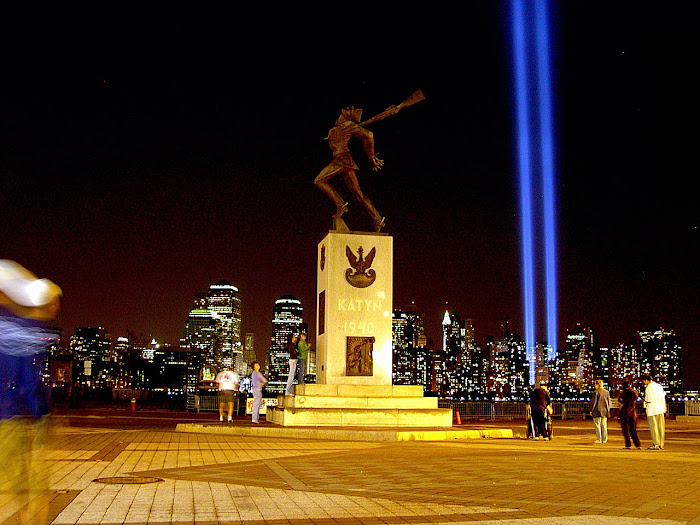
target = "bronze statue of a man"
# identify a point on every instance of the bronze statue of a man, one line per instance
(346, 127)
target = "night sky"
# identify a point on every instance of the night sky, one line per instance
(146, 153)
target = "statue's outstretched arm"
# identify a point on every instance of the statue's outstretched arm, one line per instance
(368, 144)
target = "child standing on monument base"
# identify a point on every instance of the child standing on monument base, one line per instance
(293, 360)
(303, 350)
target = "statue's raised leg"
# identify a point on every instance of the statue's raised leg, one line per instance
(354, 186)
(322, 183)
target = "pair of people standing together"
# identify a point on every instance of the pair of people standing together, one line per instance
(229, 384)
(298, 350)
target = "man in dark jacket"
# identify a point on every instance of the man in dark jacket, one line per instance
(539, 401)
(293, 360)
(628, 415)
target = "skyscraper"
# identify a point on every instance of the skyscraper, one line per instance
(509, 369)
(407, 327)
(454, 333)
(623, 365)
(576, 360)
(477, 376)
(311, 363)
(224, 300)
(424, 364)
(542, 352)
(248, 354)
(440, 379)
(202, 332)
(660, 356)
(403, 359)
(287, 318)
(91, 349)
(214, 327)
(177, 370)
(499, 366)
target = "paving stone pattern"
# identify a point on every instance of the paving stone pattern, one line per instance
(219, 479)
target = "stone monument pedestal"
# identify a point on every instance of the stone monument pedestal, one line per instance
(354, 345)
(359, 406)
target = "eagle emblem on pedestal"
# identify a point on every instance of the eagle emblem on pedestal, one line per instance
(360, 275)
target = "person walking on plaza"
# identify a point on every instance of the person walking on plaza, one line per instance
(600, 410)
(28, 308)
(303, 349)
(628, 415)
(293, 360)
(258, 381)
(228, 382)
(539, 402)
(655, 403)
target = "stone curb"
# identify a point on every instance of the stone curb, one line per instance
(346, 434)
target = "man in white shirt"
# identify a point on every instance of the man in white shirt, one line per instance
(228, 382)
(655, 404)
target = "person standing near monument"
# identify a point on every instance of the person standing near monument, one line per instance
(600, 410)
(628, 415)
(293, 360)
(228, 382)
(655, 403)
(258, 381)
(303, 349)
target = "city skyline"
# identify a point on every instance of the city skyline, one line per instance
(461, 367)
(275, 357)
(137, 171)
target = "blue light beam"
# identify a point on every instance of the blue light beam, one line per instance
(535, 158)
(547, 166)
(525, 175)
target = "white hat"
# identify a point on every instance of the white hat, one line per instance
(24, 288)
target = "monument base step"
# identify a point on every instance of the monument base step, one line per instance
(342, 405)
(359, 403)
(347, 390)
(354, 417)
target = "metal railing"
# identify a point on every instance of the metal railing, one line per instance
(561, 410)
(210, 403)
(692, 408)
(481, 409)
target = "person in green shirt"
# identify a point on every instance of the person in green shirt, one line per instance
(303, 349)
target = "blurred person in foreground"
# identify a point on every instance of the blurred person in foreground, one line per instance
(27, 304)
(655, 404)
(628, 415)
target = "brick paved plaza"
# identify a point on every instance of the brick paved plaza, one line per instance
(218, 478)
